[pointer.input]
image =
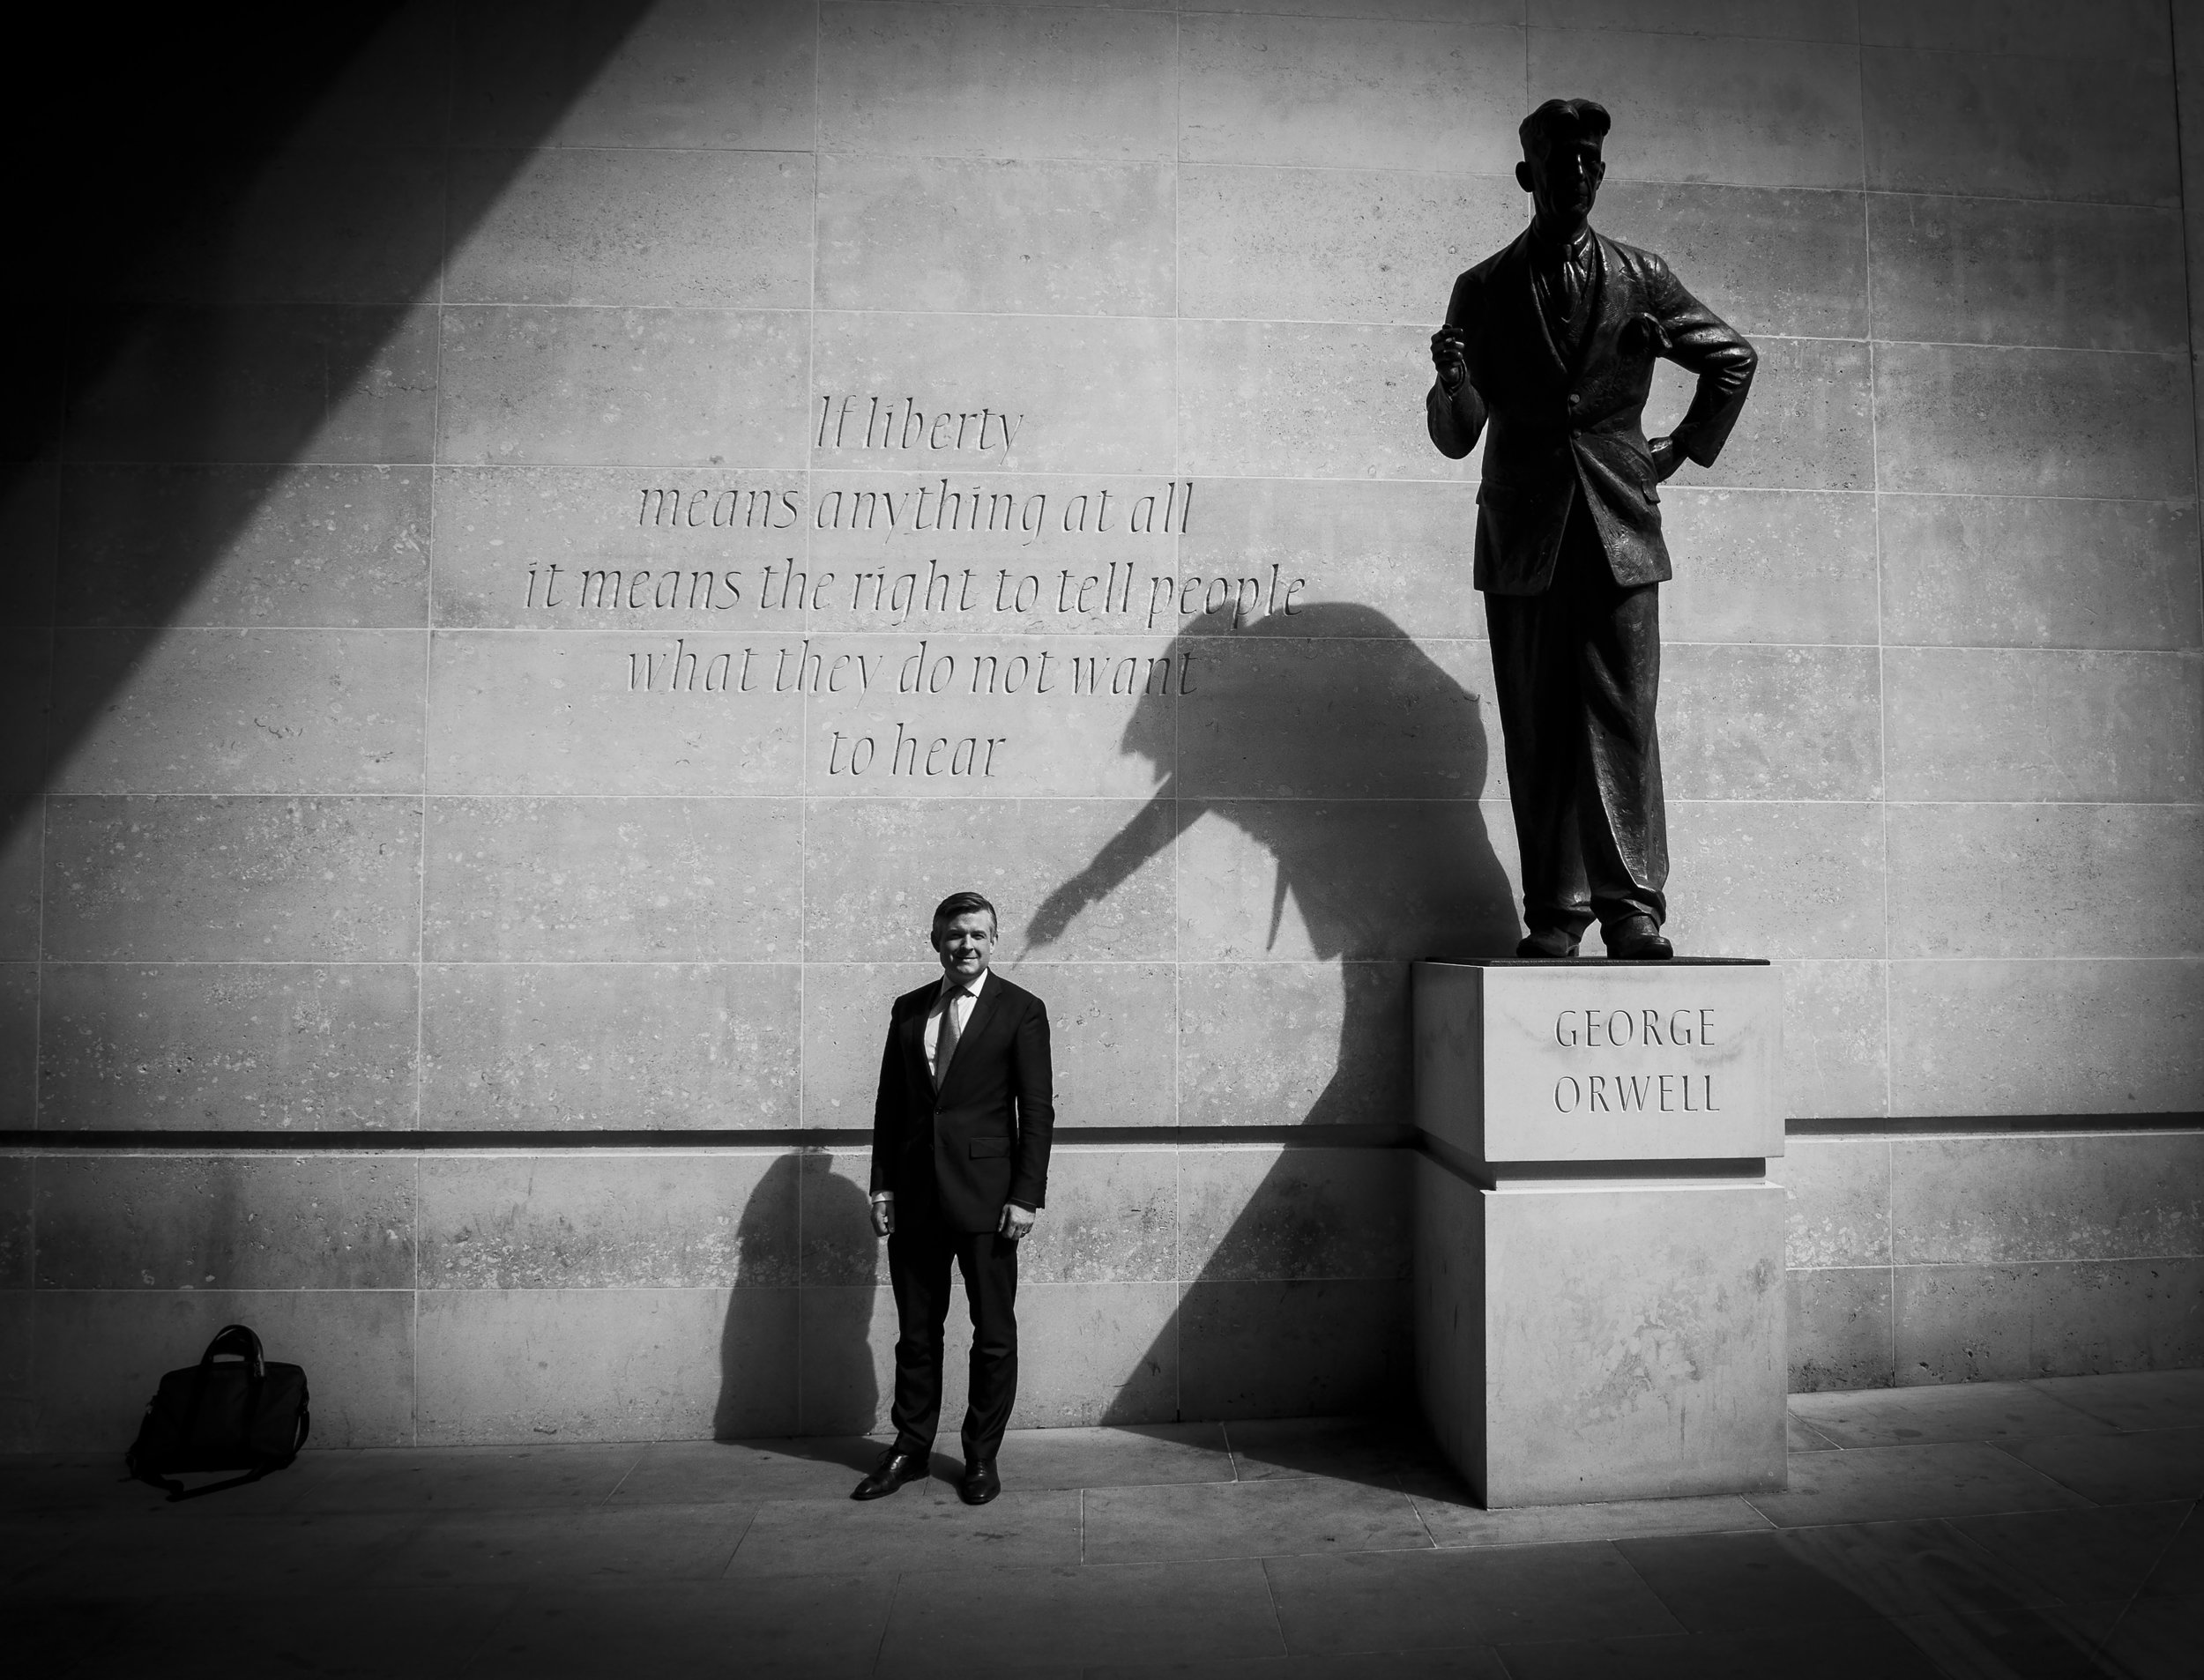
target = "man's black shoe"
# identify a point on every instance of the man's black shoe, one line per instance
(1548, 941)
(896, 1467)
(980, 1482)
(1637, 938)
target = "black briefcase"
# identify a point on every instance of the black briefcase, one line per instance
(233, 1410)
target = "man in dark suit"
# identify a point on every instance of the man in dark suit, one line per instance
(961, 1131)
(1553, 341)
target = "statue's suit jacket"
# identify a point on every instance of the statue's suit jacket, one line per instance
(1560, 430)
(984, 1138)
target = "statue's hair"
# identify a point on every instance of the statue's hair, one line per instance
(961, 904)
(1561, 121)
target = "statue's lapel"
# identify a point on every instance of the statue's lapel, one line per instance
(1615, 304)
(1599, 323)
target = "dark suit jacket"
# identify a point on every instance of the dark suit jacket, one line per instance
(1558, 431)
(984, 1139)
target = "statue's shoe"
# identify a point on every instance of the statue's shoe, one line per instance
(1553, 942)
(1637, 938)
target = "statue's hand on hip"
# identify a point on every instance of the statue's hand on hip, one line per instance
(1666, 458)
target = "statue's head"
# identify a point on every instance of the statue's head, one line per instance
(1561, 168)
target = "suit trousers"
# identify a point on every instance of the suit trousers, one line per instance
(920, 1253)
(1578, 670)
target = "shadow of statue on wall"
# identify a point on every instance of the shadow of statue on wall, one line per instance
(1380, 866)
(1354, 762)
(799, 1360)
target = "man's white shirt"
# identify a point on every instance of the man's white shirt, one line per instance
(957, 995)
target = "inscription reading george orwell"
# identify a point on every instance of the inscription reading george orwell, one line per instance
(889, 562)
(1616, 1092)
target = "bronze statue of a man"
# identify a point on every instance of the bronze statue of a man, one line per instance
(1552, 342)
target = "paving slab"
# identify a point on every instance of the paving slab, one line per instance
(2179, 1571)
(822, 1536)
(166, 1552)
(349, 1631)
(2077, 1557)
(1475, 1663)
(1457, 1522)
(2048, 1641)
(1801, 1437)
(1010, 1620)
(1247, 1520)
(96, 1486)
(2093, 1622)
(1884, 1483)
(1923, 1566)
(26, 1543)
(2140, 1469)
(730, 1472)
(66, 1635)
(1955, 1412)
(1845, 1651)
(1343, 1553)
(556, 1548)
(2156, 1638)
(794, 1627)
(2134, 1399)
(1348, 1448)
(1737, 1583)
(480, 1478)
(1137, 1456)
(1370, 1602)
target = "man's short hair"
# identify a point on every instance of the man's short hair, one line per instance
(1563, 123)
(963, 905)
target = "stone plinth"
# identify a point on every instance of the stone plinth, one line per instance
(1599, 1253)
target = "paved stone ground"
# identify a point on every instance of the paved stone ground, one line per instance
(2010, 1529)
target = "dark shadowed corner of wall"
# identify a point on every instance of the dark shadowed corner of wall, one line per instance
(1364, 793)
(234, 220)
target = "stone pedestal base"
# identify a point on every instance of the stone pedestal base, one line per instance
(1599, 1253)
(1578, 1342)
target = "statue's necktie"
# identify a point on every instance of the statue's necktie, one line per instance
(1572, 291)
(1565, 285)
(945, 1042)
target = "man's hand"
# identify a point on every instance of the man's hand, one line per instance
(1017, 1221)
(1666, 458)
(883, 1216)
(1446, 356)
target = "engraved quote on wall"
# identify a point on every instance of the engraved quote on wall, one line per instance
(909, 566)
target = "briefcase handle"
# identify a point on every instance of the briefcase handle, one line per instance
(239, 1339)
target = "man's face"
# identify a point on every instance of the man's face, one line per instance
(1564, 182)
(966, 944)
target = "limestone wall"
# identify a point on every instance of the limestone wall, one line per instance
(1948, 1256)
(369, 803)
